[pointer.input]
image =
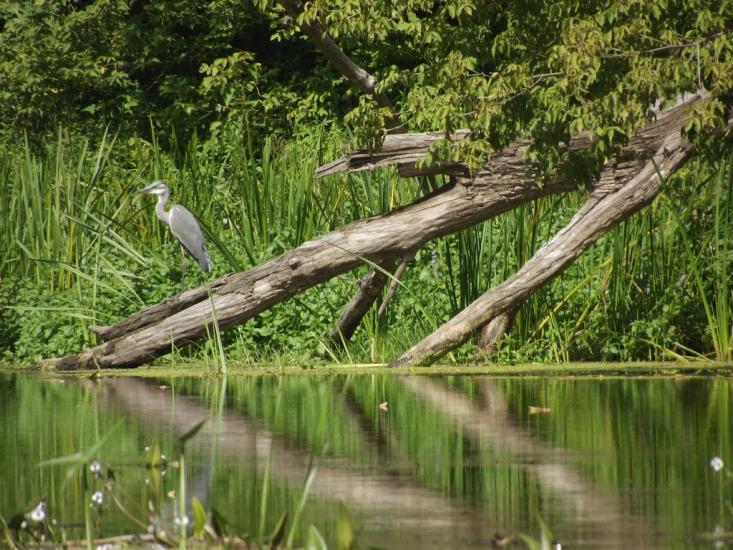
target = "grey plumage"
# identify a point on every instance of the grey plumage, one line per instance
(183, 225)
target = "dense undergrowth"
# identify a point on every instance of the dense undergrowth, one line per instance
(80, 247)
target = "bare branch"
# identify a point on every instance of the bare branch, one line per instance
(603, 210)
(343, 63)
(370, 287)
(407, 258)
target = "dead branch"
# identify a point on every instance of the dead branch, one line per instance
(343, 63)
(603, 210)
(395, 281)
(500, 186)
(370, 286)
(495, 330)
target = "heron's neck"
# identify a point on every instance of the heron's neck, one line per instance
(160, 208)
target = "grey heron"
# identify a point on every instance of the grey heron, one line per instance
(183, 225)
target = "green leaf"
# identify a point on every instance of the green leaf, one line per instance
(82, 457)
(314, 540)
(279, 532)
(219, 523)
(344, 529)
(199, 517)
(191, 433)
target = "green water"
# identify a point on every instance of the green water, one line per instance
(443, 462)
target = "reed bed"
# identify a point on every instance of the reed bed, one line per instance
(80, 246)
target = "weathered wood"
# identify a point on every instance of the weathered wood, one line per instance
(500, 186)
(401, 150)
(395, 281)
(370, 286)
(404, 151)
(495, 330)
(157, 312)
(240, 296)
(606, 207)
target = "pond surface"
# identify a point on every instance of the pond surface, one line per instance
(408, 462)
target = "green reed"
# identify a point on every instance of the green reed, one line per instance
(73, 226)
(469, 440)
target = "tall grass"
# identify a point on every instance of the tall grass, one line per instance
(639, 293)
(710, 263)
(73, 224)
(74, 229)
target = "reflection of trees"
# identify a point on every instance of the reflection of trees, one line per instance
(492, 425)
(442, 521)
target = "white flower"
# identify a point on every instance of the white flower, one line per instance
(95, 467)
(98, 498)
(719, 535)
(716, 463)
(181, 520)
(39, 512)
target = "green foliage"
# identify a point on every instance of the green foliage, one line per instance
(541, 70)
(187, 64)
(194, 92)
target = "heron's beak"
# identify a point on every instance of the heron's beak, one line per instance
(152, 188)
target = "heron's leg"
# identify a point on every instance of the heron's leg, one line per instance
(183, 268)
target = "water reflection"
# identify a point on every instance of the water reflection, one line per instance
(417, 461)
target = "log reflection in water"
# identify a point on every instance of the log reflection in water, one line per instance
(492, 425)
(382, 499)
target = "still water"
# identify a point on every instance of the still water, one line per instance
(407, 462)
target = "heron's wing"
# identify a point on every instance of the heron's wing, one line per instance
(186, 229)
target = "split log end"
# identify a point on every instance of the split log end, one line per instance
(100, 330)
(67, 364)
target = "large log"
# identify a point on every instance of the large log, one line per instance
(612, 200)
(240, 296)
(501, 185)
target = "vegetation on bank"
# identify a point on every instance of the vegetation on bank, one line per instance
(99, 98)
(82, 248)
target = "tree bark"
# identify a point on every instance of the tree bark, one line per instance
(238, 297)
(395, 281)
(370, 286)
(604, 209)
(500, 186)
(495, 330)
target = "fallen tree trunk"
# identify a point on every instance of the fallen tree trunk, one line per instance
(500, 186)
(370, 287)
(240, 296)
(495, 330)
(601, 212)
